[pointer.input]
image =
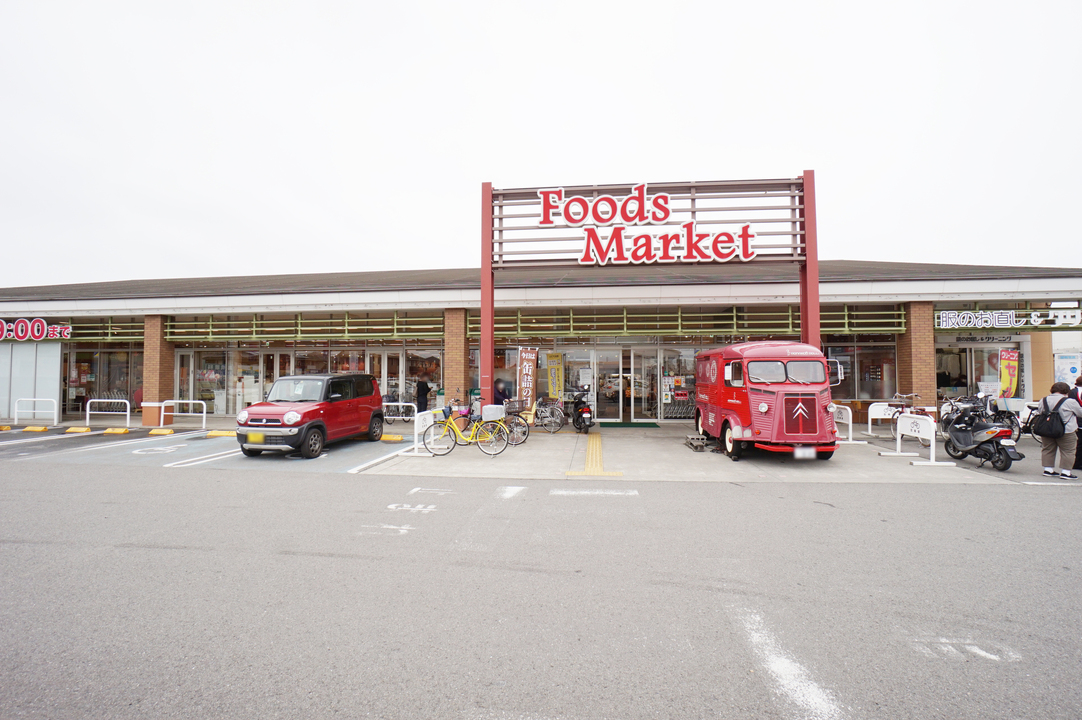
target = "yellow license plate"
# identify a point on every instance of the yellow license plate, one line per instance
(256, 438)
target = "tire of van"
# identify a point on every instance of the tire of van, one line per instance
(699, 425)
(825, 455)
(733, 448)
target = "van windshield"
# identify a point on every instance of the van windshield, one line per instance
(296, 391)
(804, 372)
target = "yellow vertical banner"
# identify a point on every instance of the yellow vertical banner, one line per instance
(1008, 373)
(555, 363)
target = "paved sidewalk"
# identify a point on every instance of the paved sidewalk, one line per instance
(658, 454)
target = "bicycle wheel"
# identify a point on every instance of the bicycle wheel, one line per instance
(894, 424)
(492, 438)
(439, 439)
(555, 420)
(518, 428)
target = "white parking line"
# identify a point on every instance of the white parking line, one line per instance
(792, 679)
(116, 444)
(506, 493)
(204, 459)
(49, 437)
(1061, 484)
(623, 493)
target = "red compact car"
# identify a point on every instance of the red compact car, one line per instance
(305, 412)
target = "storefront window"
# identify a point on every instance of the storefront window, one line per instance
(247, 390)
(870, 372)
(678, 383)
(309, 362)
(110, 372)
(422, 363)
(611, 386)
(347, 361)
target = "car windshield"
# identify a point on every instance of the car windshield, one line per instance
(804, 372)
(766, 371)
(289, 390)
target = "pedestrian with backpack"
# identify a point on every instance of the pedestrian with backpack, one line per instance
(1056, 424)
(1076, 395)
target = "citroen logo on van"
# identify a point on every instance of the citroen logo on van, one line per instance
(800, 411)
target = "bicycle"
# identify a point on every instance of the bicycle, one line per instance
(490, 436)
(905, 405)
(515, 422)
(549, 415)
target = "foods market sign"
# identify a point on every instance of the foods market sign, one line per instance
(613, 230)
(37, 329)
(1007, 319)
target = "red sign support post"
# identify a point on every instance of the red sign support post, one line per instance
(727, 221)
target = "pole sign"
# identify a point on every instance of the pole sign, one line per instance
(24, 329)
(625, 220)
(527, 376)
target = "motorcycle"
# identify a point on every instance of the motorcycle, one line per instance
(582, 417)
(969, 432)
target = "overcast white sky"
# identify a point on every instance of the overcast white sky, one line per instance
(190, 139)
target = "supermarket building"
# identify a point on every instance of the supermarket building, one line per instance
(631, 332)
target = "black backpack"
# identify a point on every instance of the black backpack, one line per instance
(1048, 423)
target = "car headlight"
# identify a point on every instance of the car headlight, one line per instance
(291, 418)
(831, 407)
(242, 417)
(763, 407)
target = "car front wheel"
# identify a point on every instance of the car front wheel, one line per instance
(312, 445)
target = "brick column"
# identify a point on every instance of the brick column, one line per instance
(456, 354)
(916, 352)
(158, 361)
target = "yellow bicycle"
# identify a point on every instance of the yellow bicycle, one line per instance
(441, 437)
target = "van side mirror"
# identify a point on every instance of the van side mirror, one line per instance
(336, 396)
(841, 372)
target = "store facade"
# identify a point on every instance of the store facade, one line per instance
(632, 338)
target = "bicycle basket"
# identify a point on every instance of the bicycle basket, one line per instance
(515, 406)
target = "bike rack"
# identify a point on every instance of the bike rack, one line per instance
(844, 414)
(126, 412)
(878, 411)
(34, 412)
(918, 426)
(426, 418)
(174, 403)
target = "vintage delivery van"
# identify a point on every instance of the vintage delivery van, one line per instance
(773, 396)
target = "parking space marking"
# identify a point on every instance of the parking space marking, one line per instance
(616, 493)
(203, 459)
(63, 436)
(106, 446)
(431, 491)
(158, 450)
(793, 680)
(1060, 484)
(488, 524)
(957, 649)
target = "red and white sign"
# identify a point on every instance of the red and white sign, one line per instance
(24, 329)
(625, 244)
(527, 376)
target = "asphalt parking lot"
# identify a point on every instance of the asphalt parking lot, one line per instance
(166, 577)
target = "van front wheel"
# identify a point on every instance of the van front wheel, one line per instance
(733, 447)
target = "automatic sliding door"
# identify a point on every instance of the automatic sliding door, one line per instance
(609, 389)
(644, 385)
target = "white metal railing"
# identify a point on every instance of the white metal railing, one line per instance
(844, 414)
(918, 426)
(126, 412)
(174, 403)
(417, 429)
(34, 411)
(879, 411)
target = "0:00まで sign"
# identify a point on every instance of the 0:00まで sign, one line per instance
(36, 329)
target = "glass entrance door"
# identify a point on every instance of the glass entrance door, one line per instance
(386, 366)
(182, 381)
(610, 385)
(644, 384)
(275, 364)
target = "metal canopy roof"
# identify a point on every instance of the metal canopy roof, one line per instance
(830, 271)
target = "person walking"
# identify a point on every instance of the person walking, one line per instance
(1069, 411)
(423, 389)
(1076, 395)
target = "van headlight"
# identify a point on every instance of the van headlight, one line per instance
(763, 407)
(242, 417)
(831, 407)
(291, 418)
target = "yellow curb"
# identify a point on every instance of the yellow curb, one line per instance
(391, 438)
(77, 429)
(222, 433)
(161, 431)
(4, 428)
(116, 431)
(35, 428)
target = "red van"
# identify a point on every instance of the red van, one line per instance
(773, 396)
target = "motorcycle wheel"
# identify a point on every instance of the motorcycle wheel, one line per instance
(586, 429)
(1001, 462)
(953, 450)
